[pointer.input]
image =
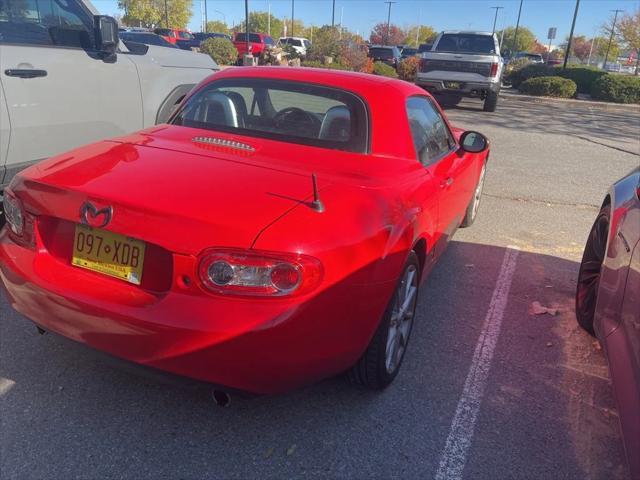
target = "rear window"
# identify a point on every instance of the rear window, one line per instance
(185, 35)
(253, 37)
(466, 43)
(381, 52)
(280, 110)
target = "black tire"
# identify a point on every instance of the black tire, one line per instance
(590, 270)
(491, 102)
(472, 209)
(372, 369)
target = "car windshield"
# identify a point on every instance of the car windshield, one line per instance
(280, 110)
(466, 43)
(253, 37)
(380, 52)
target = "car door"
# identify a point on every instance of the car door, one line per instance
(61, 93)
(438, 152)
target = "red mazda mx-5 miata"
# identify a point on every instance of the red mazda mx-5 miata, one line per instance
(274, 233)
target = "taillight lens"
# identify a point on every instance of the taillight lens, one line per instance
(239, 272)
(494, 69)
(14, 214)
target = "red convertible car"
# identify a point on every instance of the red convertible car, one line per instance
(608, 300)
(274, 233)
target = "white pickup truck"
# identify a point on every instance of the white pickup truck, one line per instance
(66, 80)
(463, 63)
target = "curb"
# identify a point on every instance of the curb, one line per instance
(512, 95)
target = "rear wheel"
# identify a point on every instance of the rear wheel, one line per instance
(491, 102)
(590, 270)
(381, 362)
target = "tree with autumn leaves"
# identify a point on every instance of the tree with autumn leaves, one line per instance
(395, 35)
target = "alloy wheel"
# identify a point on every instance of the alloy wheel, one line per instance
(403, 311)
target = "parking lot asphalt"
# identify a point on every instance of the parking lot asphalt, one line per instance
(535, 403)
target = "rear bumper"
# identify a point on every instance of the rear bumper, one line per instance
(258, 346)
(473, 88)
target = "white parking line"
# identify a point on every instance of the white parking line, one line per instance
(455, 451)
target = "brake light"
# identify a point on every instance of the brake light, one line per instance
(254, 273)
(494, 69)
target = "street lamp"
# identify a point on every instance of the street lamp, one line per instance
(388, 22)
(495, 19)
(613, 29)
(573, 25)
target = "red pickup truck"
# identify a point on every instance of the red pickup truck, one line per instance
(258, 42)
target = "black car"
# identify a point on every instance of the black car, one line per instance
(146, 38)
(409, 52)
(389, 55)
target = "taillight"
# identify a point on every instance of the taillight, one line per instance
(14, 214)
(423, 64)
(494, 69)
(239, 272)
(20, 223)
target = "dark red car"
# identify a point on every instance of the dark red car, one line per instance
(258, 43)
(274, 233)
(608, 300)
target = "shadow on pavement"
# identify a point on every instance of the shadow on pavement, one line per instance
(547, 410)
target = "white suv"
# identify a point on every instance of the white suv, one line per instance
(67, 80)
(299, 44)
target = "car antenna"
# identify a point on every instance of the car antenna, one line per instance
(317, 204)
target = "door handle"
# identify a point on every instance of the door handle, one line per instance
(25, 73)
(446, 183)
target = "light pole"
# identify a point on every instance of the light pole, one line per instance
(269, 21)
(418, 29)
(613, 30)
(388, 22)
(515, 35)
(205, 17)
(333, 14)
(246, 25)
(495, 18)
(573, 25)
(292, 5)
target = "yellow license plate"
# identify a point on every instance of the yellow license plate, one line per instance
(108, 253)
(452, 85)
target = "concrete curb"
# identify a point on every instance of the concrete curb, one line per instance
(513, 95)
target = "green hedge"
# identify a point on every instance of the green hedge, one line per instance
(549, 87)
(331, 66)
(220, 49)
(385, 70)
(616, 88)
(530, 71)
(583, 76)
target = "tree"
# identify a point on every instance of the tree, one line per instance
(379, 35)
(539, 48)
(218, 26)
(581, 47)
(630, 33)
(326, 43)
(526, 39)
(426, 34)
(151, 13)
(600, 47)
(259, 22)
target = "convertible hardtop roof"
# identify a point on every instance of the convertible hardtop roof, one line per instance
(365, 85)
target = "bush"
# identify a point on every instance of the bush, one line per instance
(326, 43)
(549, 87)
(583, 76)
(408, 68)
(353, 57)
(291, 53)
(220, 49)
(330, 66)
(385, 70)
(616, 88)
(513, 66)
(531, 71)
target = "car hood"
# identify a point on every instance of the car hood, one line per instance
(185, 201)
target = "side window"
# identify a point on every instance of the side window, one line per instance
(61, 23)
(431, 136)
(269, 41)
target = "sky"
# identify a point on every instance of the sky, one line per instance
(361, 15)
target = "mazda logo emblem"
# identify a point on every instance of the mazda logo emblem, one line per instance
(90, 215)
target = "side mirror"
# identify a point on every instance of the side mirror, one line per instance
(473, 142)
(106, 32)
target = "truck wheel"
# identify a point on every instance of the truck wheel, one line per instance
(491, 102)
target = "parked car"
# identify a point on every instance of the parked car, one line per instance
(146, 38)
(174, 35)
(245, 259)
(532, 57)
(202, 36)
(407, 52)
(88, 87)
(613, 67)
(608, 300)
(187, 41)
(463, 64)
(299, 44)
(389, 55)
(258, 43)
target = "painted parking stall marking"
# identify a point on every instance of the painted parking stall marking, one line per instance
(458, 442)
